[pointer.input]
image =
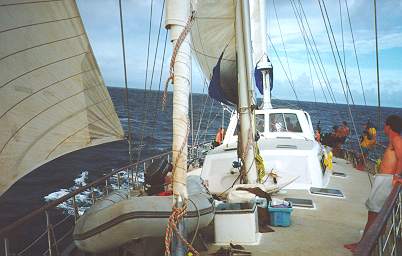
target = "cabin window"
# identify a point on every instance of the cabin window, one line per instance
(284, 122)
(277, 123)
(292, 123)
(260, 123)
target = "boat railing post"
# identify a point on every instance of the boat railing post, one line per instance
(6, 247)
(379, 243)
(118, 180)
(76, 213)
(93, 195)
(398, 228)
(132, 178)
(127, 174)
(49, 234)
(107, 186)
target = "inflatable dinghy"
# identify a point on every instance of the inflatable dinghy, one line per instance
(118, 218)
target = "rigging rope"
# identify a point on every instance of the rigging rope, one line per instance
(284, 70)
(176, 48)
(311, 79)
(148, 49)
(177, 216)
(320, 63)
(378, 70)
(317, 57)
(343, 89)
(209, 119)
(126, 86)
(145, 118)
(354, 47)
(337, 51)
(157, 101)
(197, 135)
(178, 213)
(343, 41)
(309, 55)
(283, 43)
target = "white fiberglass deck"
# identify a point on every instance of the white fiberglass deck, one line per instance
(325, 229)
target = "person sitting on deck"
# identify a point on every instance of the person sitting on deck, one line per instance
(368, 140)
(344, 131)
(372, 132)
(390, 173)
(336, 137)
(219, 137)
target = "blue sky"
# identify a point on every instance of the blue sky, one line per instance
(101, 20)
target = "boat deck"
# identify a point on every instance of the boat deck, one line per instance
(325, 229)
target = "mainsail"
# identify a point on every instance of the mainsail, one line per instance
(53, 99)
(214, 44)
(213, 34)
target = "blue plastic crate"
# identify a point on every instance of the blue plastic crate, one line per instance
(280, 216)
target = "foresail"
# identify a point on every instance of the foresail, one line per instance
(53, 99)
(213, 33)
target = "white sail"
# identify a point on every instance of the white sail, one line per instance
(53, 99)
(213, 33)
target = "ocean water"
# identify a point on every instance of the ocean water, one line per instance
(152, 134)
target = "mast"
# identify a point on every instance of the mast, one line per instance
(177, 14)
(243, 49)
(260, 48)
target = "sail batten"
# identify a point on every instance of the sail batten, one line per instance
(53, 99)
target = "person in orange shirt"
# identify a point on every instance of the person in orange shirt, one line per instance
(390, 172)
(219, 136)
(345, 129)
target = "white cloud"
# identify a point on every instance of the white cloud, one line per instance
(101, 19)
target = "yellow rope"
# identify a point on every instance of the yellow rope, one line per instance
(259, 164)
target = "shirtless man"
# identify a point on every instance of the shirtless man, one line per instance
(391, 164)
(392, 159)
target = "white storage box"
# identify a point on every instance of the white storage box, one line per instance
(236, 223)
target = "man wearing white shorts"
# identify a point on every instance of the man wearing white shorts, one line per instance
(390, 169)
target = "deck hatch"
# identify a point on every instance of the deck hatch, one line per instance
(300, 202)
(326, 191)
(339, 174)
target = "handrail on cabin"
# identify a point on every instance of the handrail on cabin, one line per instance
(370, 240)
(26, 218)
